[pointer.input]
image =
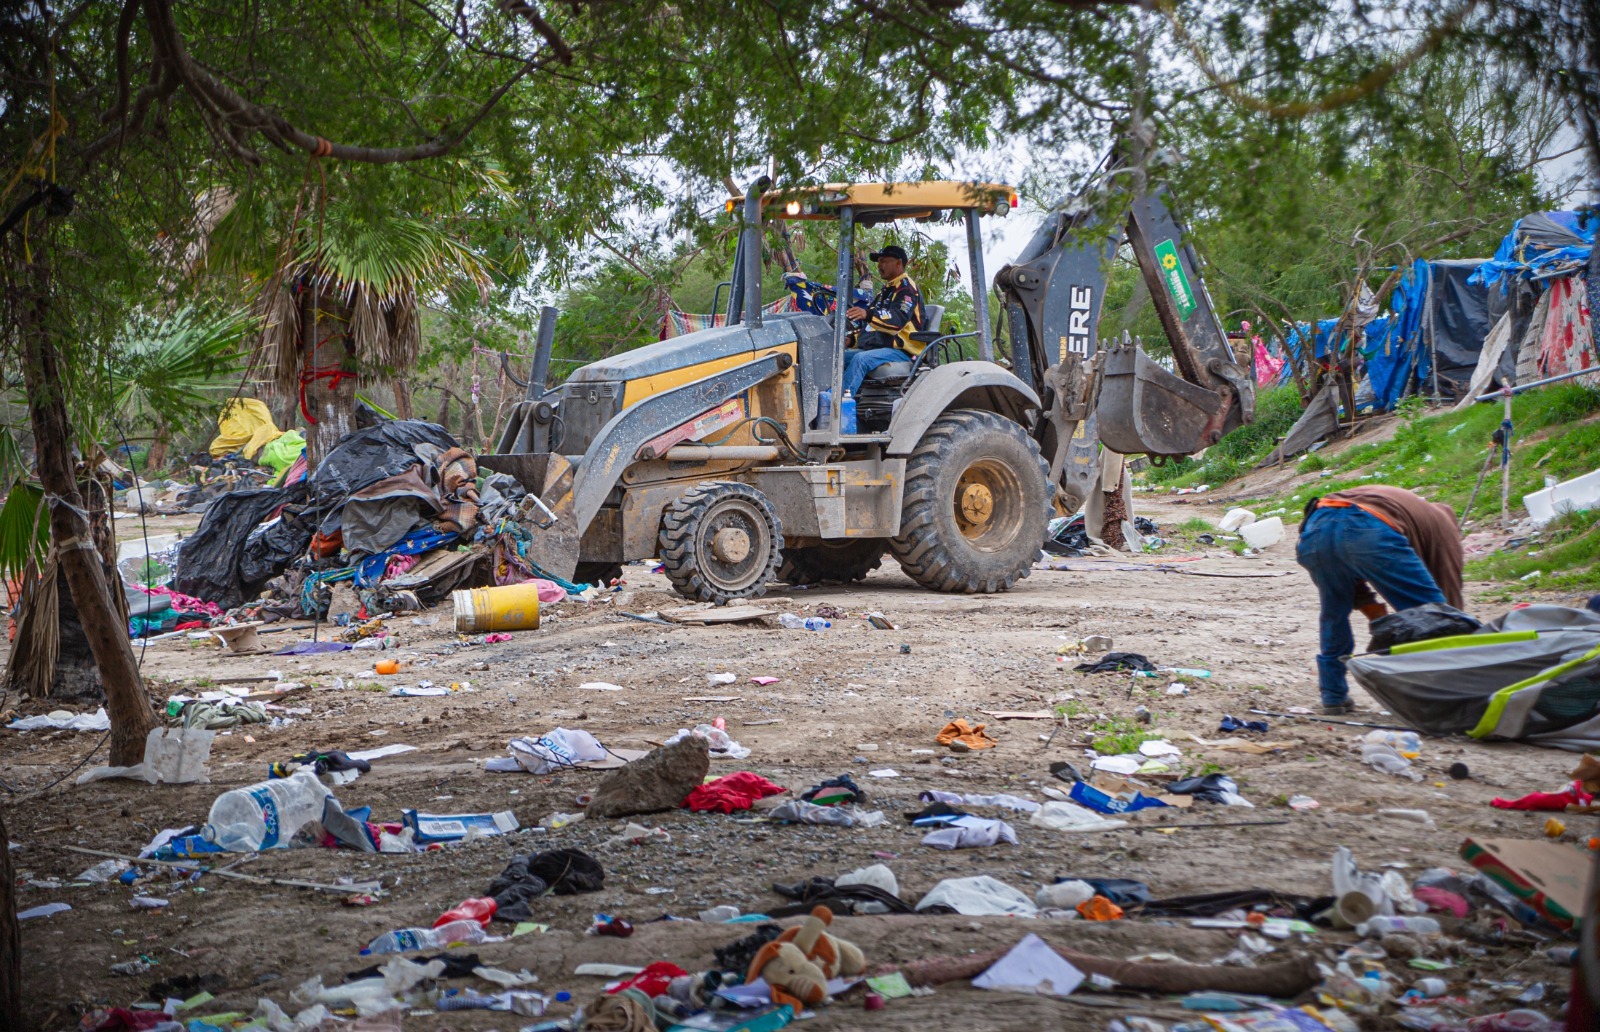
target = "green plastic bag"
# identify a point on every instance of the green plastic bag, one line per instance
(281, 451)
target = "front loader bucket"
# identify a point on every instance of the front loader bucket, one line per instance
(1144, 409)
(548, 509)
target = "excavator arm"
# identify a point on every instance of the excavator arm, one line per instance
(1119, 396)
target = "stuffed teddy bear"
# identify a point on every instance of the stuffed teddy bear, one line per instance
(799, 963)
(793, 979)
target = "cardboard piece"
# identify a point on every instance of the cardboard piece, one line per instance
(241, 639)
(1233, 744)
(1550, 877)
(716, 614)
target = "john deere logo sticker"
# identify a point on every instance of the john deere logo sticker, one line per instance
(1177, 283)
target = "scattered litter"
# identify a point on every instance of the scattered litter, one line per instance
(1031, 967)
(722, 678)
(763, 681)
(43, 910)
(607, 686)
(1302, 803)
(64, 720)
(970, 833)
(884, 772)
(978, 896)
(963, 737)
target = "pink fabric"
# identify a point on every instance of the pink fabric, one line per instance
(1267, 368)
(549, 591)
(1441, 901)
(186, 603)
(398, 564)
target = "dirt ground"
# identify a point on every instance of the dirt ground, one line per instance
(848, 700)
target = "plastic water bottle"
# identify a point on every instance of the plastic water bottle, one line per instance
(1379, 926)
(266, 815)
(824, 409)
(847, 414)
(409, 940)
(1406, 743)
(806, 623)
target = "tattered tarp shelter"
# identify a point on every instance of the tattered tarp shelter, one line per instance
(1533, 674)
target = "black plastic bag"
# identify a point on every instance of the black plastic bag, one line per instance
(1424, 623)
(377, 453)
(208, 562)
(1115, 661)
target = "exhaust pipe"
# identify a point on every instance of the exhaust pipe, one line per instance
(539, 375)
(752, 251)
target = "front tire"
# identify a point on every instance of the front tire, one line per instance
(977, 505)
(720, 541)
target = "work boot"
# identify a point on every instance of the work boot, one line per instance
(1339, 710)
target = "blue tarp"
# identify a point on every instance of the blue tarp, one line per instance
(1536, 244)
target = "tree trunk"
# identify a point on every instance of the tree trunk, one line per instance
(402, 398)
(444, 409)
(10, 940)
(329, 361)
(156, 460)
(126, 700)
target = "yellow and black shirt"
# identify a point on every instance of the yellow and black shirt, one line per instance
(897, 311)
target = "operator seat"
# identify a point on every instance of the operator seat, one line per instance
(932, 315)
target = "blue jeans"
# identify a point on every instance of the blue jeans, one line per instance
(857, 364)
(1340, 547)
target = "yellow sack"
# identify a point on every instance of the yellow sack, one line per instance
(244, 426)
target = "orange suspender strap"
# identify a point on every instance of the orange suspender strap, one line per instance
(1340, 503)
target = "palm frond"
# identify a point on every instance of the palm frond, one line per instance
(390, 256)
(24, 530)
(167, 366)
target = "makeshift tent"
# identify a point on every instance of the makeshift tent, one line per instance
(1532, 675)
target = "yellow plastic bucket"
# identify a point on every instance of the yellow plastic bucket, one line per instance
(511, 607)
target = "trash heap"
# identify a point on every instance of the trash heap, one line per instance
(398, 512)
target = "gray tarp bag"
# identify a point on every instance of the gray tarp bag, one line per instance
(1533, 674)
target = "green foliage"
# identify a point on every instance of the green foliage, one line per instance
(1194, 525)
(171, 368)
(1117, 735)
(24, 530)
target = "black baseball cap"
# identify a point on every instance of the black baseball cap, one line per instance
(892, 251)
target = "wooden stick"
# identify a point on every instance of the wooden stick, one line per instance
(343, 890)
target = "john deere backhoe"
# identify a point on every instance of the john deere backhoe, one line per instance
(710, 451)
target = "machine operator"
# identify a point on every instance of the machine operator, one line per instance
(890, 319)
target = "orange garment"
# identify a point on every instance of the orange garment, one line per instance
(1099, 909)
(966, 734)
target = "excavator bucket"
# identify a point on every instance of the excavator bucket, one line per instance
(548, 508)
(1145, 409)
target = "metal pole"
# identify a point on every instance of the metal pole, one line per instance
(544, 344)
(752, 252)
(844, 295)
(1536, 383)
(1505, 464)
(980, 285)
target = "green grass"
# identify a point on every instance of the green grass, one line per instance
(1194, 525)
(1567, 553)
(1119, 735)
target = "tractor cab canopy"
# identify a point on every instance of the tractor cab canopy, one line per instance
(874, 203)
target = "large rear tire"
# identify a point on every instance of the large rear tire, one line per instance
(977, 505)
(840, 561)
(720, 541)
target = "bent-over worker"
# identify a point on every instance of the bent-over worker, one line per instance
(1387, 538)
(891, 317)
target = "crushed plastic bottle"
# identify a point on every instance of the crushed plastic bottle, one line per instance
(1386, 759)
(266, 815)
(409, 940)
(1381, 926)
(803, 623)
(1406, 743)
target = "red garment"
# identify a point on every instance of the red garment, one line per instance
(653, 980)
(1574, 795)
(733, 792)
(120, 1019)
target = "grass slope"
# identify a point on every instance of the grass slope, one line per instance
(1556, 433)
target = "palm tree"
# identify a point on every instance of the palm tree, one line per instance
(344, 308)
(163, 370)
